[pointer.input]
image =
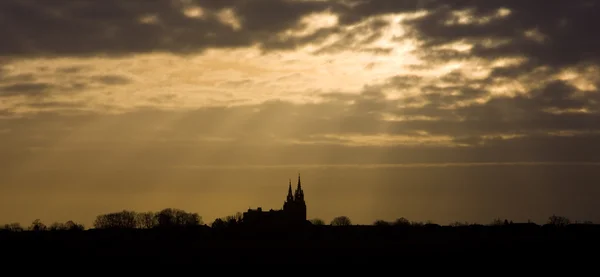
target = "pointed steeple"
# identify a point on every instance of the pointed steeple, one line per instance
(299, 195)
(290, 196)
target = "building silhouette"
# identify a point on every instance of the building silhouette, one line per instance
(292, 213)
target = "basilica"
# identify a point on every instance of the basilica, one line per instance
(293, 212)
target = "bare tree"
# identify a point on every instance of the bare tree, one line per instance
(497, 222)
(417, 224)
(183, 218)
(120, 220)
(317, 221)
(402, 222)
(37, 225)
(73, 226)
(218, 223)
(68, 226)
(341, 221)
(13, 227)
(146, 220)
(559, 221)
(177, 218)
(459, 224)
(234, 219)
(57, 226)
(381, 222)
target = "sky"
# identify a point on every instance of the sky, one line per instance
(425, 109)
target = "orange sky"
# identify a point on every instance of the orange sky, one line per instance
(211, 106)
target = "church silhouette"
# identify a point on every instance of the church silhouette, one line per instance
(293, 212)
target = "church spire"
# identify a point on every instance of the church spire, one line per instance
(299, 195)
(290, 197)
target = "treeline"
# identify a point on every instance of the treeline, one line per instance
(38, 225)
(554, 220)
(166, 218)
(177, 218)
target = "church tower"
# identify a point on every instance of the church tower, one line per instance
(294, 206)
(299, 200)
(289, 201)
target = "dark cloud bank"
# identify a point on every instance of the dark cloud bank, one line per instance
(557, 122)
(38, 27)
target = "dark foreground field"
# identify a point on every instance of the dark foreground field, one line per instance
(316, 244)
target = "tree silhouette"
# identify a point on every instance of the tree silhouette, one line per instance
(235, 219)
(57, 226)
(559, 221)
(13, 227)
(497, 222)
(37, 225)
(174, 218)
(72, 226)
(228, 221)
(317, 221)
(68, 226)
(341, 221)
(218, 224)
(165, 218)
(381, 222)
(417, 224)
(402, 222)
(459, 224)
(147, 220)
(118, 220)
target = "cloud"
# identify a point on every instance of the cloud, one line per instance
(71, 69)
(120, 28)
(553, 123)
(444, 77)
(453, 110)
(24, 89)
(29, 88)
(112, 80)
(558, 37)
